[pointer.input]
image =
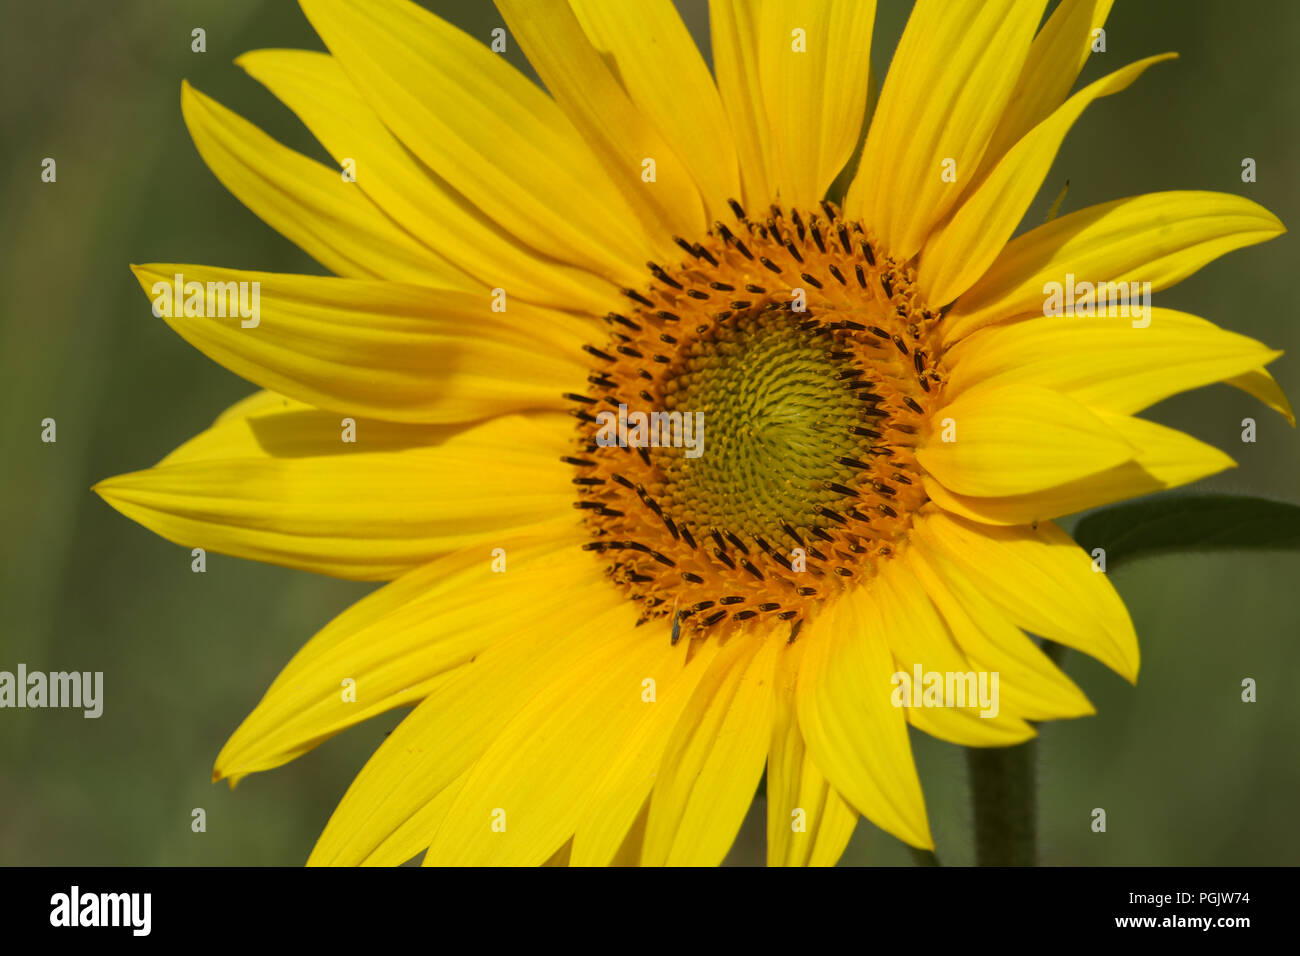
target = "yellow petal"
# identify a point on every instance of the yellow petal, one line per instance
(622, 793)
(1259, 384)
(1164, 458)
(814, 59)
(394, 806)
(559, 858)
(364, 515)
(1055, 60)
(733, 26)
(315, 87)
(808, 822)
(1042, 581)
(1106, 363)
(309, 204)
(658, 63)
(951, 76)
(536, 779)
(258, 403)
(629, 853)
(1010, 439)
(920, 642)
(269, 425)
(584, 84)
(399, 642)
(966, 245)
(838, 821)
(856, 737)
(1160, 238)
(486, 129)
(380, 349)
(714, 758)
(1029, 684)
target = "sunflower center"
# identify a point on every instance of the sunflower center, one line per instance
(746, 446)
(773, 412)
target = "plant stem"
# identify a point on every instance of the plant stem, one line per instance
(1003, 791)
(923, 857)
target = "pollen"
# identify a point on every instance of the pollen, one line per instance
(745, 451)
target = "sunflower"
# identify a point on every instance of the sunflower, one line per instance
(673, 459)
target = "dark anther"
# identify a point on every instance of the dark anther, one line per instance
(623, 320)
(737, 542)
(833, 515)
(686, 245)
(636, 296)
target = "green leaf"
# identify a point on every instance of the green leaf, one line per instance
(1190, 523)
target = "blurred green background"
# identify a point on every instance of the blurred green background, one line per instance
(1186, 772)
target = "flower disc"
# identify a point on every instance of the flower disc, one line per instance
(747, 441)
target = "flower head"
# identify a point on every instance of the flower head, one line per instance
(679, 466)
